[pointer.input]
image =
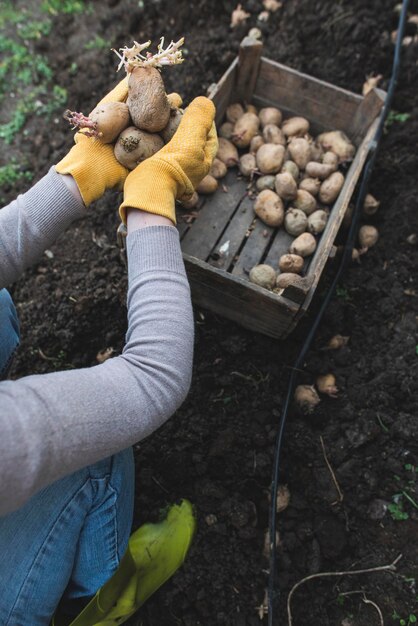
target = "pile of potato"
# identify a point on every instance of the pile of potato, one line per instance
(294, 177)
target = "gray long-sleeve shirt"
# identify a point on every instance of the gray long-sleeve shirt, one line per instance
(53, 424)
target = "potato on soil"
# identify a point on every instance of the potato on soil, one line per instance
(370, 205)
(273, 134)
(270, 115)
(265, 182)
(245, 129)
(269, 208)
(111, 119)
(263, 275)
(247, 164)
(368, 236)
(270, 158)
(285, 186)
(306, 398)
(304, 201)
(339, 143)
(304, 245)
(295, 222)
(134, 145)
(295, 127)
(311, 185)
(226, 130)
(207, 185)
(300, 151)
(331, 188)
(173, 123)
(218, 169)
(255, 144)
(234, 112)
(227, 152)
(147, 100)
(291, 263)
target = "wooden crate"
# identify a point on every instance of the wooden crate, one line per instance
(219, 247)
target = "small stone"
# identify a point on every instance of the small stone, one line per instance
(377, 509)
(211, 519)
(412, 239)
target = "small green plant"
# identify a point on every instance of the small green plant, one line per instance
(407, 621)
(395, 116)
(12, 173)
(34, 29)
(342, 293)
(98, 43)
(396, 510)
(63, 6)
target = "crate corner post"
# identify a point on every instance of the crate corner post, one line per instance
(249, 57)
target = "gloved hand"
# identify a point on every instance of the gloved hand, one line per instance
(92, 163)
(175, 170)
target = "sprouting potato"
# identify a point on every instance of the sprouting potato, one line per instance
(300, 151)
(319, 170)
(368, 236)
(263, 275)
(311, 185)
(292, 168)
(317, 221)
(273, 134)
(172, 125)
(304, 245)
(295, 222)
(270, 115)
(331, 188)
(295, 127)
(285, 186)
(226, 130)
(269, 208)
(265, 182)
(227, 152)
(218, 169)
(255, 143)
(134, 145)
(339, 143)
(111, 119)
(270, 158)
(305, 201)
(245, 129)
(147, 100)
(234, 112)
(207, 185)
(247, 164)
(291, 263)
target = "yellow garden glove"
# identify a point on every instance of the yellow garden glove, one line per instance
(92, 163)
(175, 170)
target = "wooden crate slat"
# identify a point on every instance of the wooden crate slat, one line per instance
(280, 246)
(320, 102)
(248, 62)
(253, 249)
(183, 226)
(213, 217)
(221, 93)
(230, 242)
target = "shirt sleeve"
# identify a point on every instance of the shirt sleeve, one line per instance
(53, 424)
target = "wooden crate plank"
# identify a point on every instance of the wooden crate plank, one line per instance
(248, 62)
(214, 217)
(238, 300)
(221, 93)
(366, 113)
(230, 242)
(320, 102)
(280, 246)
(182, 225)
(253, 249)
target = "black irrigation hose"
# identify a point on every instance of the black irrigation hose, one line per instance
(374, 144)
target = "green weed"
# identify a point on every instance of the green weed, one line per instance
(12, 173)
(98, 43)
(396, 510)
(63, 6)
(395, 116)
(407, 621)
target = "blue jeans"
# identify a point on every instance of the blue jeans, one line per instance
(68, 539)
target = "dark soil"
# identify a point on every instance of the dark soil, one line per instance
(218, 449)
